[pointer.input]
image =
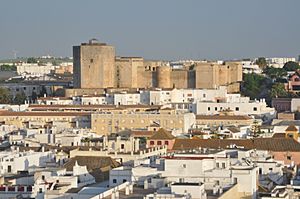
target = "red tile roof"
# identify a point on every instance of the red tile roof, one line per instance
(42, 113)
(162, 134)
(269, 144)
(291, 128)
(222, 117)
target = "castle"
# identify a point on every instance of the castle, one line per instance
(96, 67)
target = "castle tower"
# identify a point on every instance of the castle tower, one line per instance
(163, 76)
(94, 65)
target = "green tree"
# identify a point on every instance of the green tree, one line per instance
(60, 92)
(261, 62)
(20, 98)
(54, 63)
(5, 97)
(275, 73)
(6, 67)
(31, 60)
(291, 66)
(255, 129)
(252, 85)
(278, 90)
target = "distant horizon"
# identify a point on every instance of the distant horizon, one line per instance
(156, 30)
(237, 59)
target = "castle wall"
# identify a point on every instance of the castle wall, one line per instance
(126, 75)
(163, 77)
(205, 76)
(95, 66)
(179, 78)
(146, 79)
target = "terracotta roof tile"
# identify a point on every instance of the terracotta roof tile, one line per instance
(162, 134)
(222, 117)
(269, 144)
(278, 135)
(42, 113)
(291, 128)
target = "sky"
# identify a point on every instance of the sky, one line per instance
(156, 29)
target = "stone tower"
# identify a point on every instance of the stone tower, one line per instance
(94, 65)
(163, 77)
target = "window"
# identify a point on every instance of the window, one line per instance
(223, 165)
(166, 142)
(114, 181)
(91, 60)
(218, 165)
(184, 165)
(289, 157)
(9, 168)
(237, 108)
(216, 108)
(43, 177)
(204, 95)
(122, 146)
(158, 142)
(151, 142)
(124, 180)
(270, 169)
(208, 108)
(235, 180)
(254, 108)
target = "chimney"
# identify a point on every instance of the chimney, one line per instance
(127, 190)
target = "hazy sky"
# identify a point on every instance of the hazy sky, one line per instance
(156, 29)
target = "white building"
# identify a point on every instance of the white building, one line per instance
(250, 67)
(216, 171)
(93, 100)
(166, 96)
(180, 191)
(239, 105)
(278, 62)
(127, 98)
(137, 175)
(54, 183)
(55, 101)
(35, 69)
(11, 162)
